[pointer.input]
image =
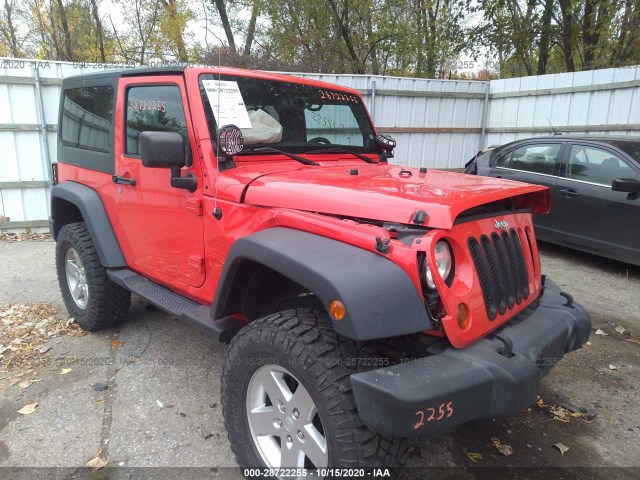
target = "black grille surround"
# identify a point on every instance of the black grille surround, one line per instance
(502, 270)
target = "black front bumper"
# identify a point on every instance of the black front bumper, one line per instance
(438, 393)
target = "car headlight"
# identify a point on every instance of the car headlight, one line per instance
(444, 263)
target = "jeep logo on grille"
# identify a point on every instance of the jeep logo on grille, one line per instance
(502, 224)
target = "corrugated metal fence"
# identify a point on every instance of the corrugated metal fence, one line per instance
(437, 123)
(593, 102)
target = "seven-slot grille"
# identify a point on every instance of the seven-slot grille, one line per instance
(502, 270)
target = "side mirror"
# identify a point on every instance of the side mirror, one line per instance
(166, 150)
(387, 143)
(628, 185)
(161, 149)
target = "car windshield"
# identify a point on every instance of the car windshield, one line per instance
(288, 116)
(630, 148)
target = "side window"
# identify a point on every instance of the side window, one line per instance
(538, 158)
(156, 108)
(503, 160)
(595, 165)
(87, 116)
(335, 123)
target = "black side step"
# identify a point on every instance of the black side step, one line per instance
(191, 312)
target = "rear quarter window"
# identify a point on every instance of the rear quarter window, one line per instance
(87, 118)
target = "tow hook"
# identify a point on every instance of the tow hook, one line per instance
(507, 351)
(569, 299)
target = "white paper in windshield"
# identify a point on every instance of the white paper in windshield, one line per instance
(227, 103)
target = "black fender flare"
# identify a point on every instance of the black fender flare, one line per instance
(381, 300)
(90, 205)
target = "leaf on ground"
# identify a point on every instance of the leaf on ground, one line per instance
(503, 448)
(473, 456)
(44, 349)
(25, 384)
(589, 343)
(64, 371)
(159, 403)
(559, 414)
(561, 446)
(614, 367)
(97, 463)
(540, 402)
(601, 332)
(633, 340)
(117, 343)
(620, 330)
(28, 409)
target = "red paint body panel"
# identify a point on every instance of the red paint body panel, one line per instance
(465, 287)
(385, 192)
(164, 238)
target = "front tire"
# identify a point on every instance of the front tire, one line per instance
(287, 400)
(92, 299)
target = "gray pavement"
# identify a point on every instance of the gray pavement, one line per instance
(161, 407)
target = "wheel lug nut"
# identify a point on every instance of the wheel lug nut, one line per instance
(300, 435)
(296, 413)
(281, 407)
(278, 422)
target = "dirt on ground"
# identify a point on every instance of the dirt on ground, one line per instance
(146, 394)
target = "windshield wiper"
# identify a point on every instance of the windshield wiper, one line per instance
(282, 152)
(343, 150)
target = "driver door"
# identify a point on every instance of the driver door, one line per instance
(161, 227)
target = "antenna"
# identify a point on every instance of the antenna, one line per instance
(553, 129)
(217, 212)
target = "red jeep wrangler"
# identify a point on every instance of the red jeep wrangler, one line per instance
(364, 302)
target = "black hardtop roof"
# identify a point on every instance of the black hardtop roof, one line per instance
(125, 72)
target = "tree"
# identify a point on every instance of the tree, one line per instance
(224, 18)
(510, 28)
(8, 31)
(60, 30)
(439, 34)
(99, 30)
(300, 36)
(625, 37)
(251, 30)
(424, 38)
(545, 37)
(595, 22)
(566, 10)
(173, 23)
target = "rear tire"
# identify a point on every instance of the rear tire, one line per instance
(92, 299)
(286, 393)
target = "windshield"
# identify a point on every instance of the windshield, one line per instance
(286, 115)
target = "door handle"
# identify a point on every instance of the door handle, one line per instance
(123, 180)
(569, 192)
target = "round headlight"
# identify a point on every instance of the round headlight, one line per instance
(444, 261)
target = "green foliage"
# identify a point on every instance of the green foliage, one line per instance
(423, 38)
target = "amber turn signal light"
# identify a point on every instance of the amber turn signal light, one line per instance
(337, 310)
(462, 316)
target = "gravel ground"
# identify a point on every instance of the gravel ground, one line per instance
(147, 394)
